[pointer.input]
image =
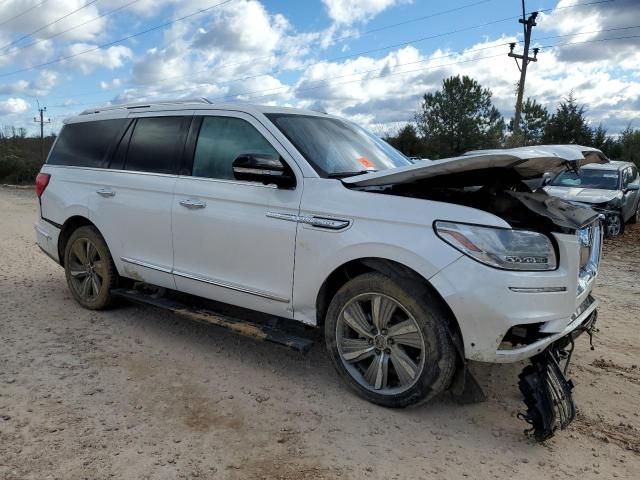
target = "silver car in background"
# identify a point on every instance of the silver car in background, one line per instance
(613, 189)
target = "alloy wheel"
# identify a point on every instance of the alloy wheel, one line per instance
(380, 343)
(614, 225)
(87, 269)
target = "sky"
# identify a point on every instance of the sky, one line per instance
(367, 60)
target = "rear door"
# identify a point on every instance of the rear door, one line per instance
(234, 241)
(131, 204)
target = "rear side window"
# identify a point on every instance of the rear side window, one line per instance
(156, 144)
(85, 144)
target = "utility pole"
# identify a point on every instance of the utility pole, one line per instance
(41, 121)
(528, 24)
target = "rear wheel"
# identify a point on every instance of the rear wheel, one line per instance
(388, 339)
(89, 268)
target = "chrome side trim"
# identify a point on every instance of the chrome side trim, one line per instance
(230, 286)
(140, 263)
(210, 281)
(113, 170)
(319, 222)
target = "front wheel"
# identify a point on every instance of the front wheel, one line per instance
(614, 225)
(388, 339)
(89, 268)
(636, 216)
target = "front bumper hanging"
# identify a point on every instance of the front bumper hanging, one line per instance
(546, 389)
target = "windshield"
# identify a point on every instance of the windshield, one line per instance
(336, 147)
(588, 178)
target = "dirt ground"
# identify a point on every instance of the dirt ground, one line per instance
(136, 393)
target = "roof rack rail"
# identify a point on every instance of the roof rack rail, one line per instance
(140, 105)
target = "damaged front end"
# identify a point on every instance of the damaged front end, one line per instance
(543, 309)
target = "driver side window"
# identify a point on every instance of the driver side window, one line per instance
(627, 178)
(220, 141)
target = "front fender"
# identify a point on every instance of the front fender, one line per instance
(315, 263)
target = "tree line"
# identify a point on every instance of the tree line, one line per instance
(461, 117)
(20, 155)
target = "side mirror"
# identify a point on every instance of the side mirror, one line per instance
(632, 187)
(546, 179)
(267, 169)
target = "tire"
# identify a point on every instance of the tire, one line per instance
(373, 362)
(614, 225)
(635, 218)
(89, 268)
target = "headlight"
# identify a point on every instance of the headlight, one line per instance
(499, 247)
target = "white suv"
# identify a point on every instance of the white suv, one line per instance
(410, 268)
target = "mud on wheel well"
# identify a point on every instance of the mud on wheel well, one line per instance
(69, 226)
(352, 269)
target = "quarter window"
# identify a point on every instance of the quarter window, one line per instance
(85, 144)
(221, 141)
(156, 144)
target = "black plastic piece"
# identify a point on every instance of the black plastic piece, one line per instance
(547, 394)
(465, 389)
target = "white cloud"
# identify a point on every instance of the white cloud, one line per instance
(114, 83)
(110, 58)
(13, 105)
(41, 85)
(347, 12)
(50, 13)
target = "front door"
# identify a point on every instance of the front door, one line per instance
(630, 200)
(228, 244)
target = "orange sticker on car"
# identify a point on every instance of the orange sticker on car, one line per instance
(365, 162)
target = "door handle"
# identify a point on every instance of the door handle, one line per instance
(105, 192)
(192, 204)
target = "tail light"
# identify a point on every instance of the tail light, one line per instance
(42, 180)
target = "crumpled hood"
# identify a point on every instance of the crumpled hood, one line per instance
(528, 162)
(585, 195)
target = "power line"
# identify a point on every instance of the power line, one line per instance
(388, 47)
(425, 17)
(120, 40)
(341, 57)
(367, 32)
(253, 60)
(438, 66)
(23, 13)
(388, 74)
(106, 14)
(48, 25)
(272, 72)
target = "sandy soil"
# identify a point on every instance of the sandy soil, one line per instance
(137, 393)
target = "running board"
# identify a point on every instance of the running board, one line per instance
(258, 330)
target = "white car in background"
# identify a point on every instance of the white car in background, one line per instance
(411, 270)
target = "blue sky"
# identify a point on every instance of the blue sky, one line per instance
(347, 57)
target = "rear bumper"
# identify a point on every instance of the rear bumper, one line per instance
(47, 239)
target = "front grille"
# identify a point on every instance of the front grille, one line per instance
(590, 239)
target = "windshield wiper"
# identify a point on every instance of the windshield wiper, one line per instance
(349, 174)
